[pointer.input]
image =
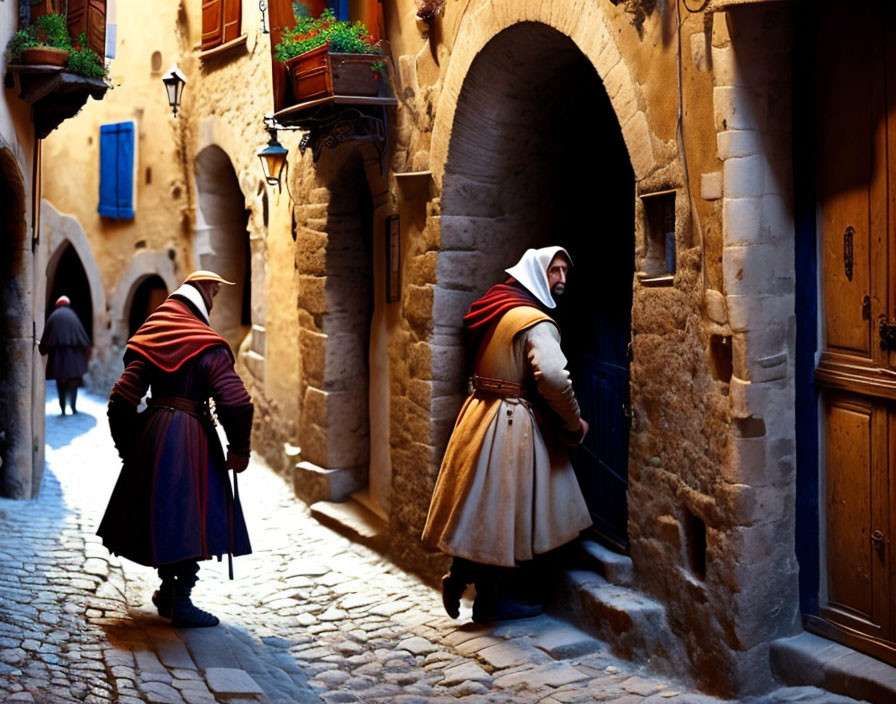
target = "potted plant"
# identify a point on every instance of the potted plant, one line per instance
(86, 62)
(46, 41)
(325, 56)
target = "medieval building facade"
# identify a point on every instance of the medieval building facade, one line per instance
(672, 148)
(33, 104)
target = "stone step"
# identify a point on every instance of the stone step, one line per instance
(615, 568)
(354, 521)
(632, 625)
(810, 660)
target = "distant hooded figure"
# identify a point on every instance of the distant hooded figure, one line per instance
(67, 347)
(173, 505)
(506, 492)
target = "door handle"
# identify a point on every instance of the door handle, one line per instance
(878, 539)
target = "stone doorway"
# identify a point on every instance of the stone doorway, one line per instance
(537, 158)
(221, 242)
(149, 294)
(336, 314)
(66, 276)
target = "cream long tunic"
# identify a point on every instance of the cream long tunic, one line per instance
(505, 492)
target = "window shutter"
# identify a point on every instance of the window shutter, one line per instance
(117, 159)
(370, 12)
(77, 17)
(232, 12)
(96, 27)
(212, 23)
(42, 7)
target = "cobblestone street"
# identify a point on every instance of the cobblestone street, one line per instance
(309, 617)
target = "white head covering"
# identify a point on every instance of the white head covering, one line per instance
(191, 293)
(532, 272)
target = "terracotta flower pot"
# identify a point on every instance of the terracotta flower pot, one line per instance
(44, 56)
(318, 73)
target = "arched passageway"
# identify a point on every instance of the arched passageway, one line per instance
(222, 242)
(148, 295)
(66, 276)
(537, 158)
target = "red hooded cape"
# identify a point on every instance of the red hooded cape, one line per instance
(171, 335)
(489, 309)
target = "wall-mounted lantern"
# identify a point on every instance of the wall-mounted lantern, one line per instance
(174, 82)
(265, 20)
(273, 159)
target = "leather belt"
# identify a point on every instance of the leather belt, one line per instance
(498, 387)
(175, 403)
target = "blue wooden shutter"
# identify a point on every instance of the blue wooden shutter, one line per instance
(117, 170)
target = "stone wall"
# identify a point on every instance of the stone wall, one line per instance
(711, 476)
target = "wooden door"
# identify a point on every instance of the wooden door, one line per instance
(601, 378)
(856, 179)
(595, 319)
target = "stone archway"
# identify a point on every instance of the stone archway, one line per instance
(141, 267)
(69, 247)
(522, 170)
(149, 294)
(66, 276)
(221, 241)
(19, 477)
(63, 233)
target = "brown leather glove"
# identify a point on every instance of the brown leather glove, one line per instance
(237, 463)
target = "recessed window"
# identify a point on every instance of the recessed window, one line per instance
(720, 352)
(659, 237)
(156, 61)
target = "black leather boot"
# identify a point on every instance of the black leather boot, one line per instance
(163, 598)
(452, 591)
(184, 613)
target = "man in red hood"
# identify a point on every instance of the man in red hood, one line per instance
(172, 505)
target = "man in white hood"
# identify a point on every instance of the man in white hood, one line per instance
(506, 490)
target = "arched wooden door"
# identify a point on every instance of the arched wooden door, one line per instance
(856, 191)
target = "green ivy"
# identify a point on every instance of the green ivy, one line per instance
(309, 33)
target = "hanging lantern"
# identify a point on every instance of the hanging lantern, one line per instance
(273, 159)
(174, 82)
